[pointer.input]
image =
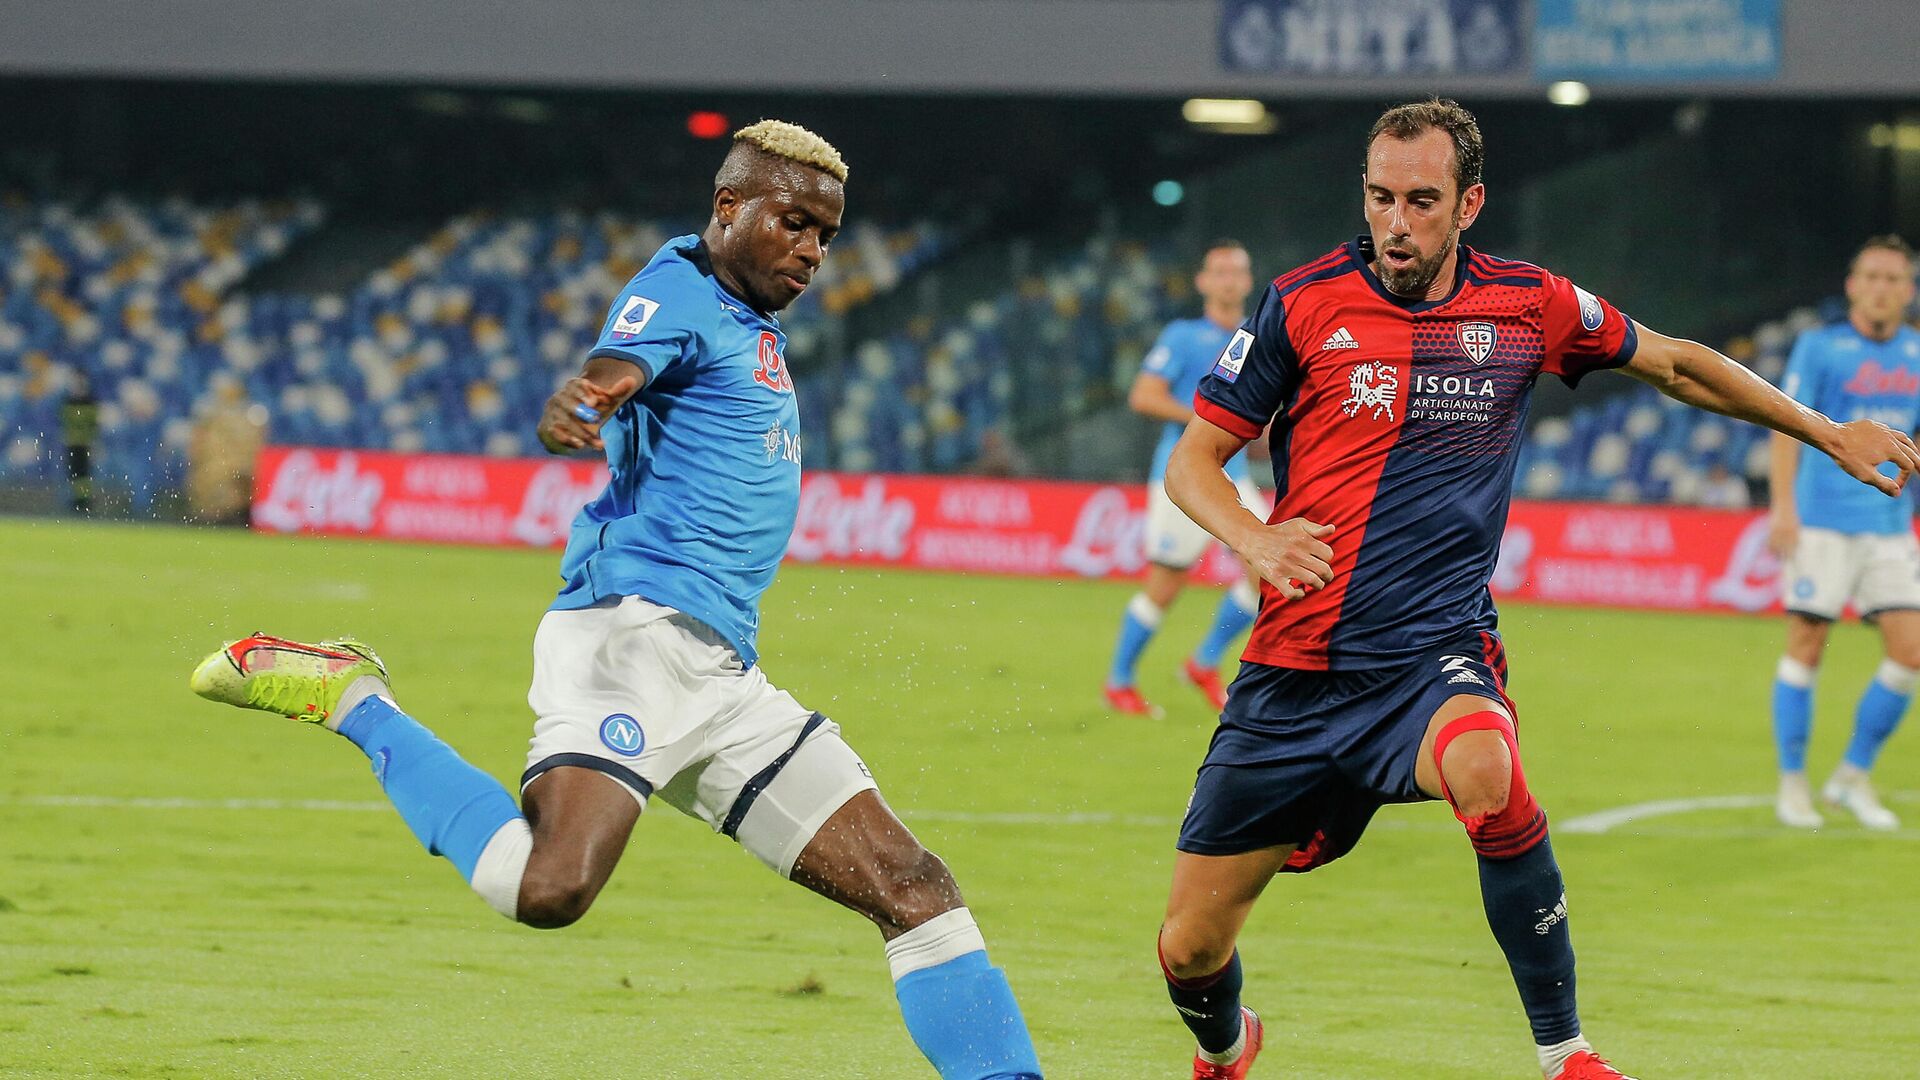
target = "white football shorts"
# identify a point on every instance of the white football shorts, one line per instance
(659, 702)
(1173, 539)
(1878, 572)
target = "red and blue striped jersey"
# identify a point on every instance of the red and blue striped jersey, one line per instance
(1398, 422)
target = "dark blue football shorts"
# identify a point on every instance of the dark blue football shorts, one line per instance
(1307, 757)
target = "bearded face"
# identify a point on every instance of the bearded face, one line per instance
(1407, 271)
(1416, 210)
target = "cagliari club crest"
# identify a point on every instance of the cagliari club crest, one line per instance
(1477, 340)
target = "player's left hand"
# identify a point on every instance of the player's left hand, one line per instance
(1861, 445)
(573, 415)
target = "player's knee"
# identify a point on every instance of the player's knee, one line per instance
(1488, 788)
(549, 900)
(1906, 656)
(1192, 956)
(1478, 769)
(907, 885)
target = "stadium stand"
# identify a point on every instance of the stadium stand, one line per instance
(438, 351)
(444, 349)
(129, 299)
(435, 352)
(1057, 344)
(1640, 446)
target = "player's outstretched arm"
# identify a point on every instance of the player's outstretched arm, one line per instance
(1152, 395)
(573, 415)
(1689, 371)
(1783, 463)
(1293, 555)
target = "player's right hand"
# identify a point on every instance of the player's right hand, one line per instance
(564, 426)
(1292, 556)
(1783, 535)
(1863, 445)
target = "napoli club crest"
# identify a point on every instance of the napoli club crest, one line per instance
(623, 735)
(1478, 339)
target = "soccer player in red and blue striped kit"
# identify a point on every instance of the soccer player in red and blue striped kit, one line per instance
(1395, 371)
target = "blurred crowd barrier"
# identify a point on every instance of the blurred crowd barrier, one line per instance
(1664, 558)
(1022, 527)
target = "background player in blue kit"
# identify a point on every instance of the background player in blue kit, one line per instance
(645, 678)
(1841, 541)
(1171, 371)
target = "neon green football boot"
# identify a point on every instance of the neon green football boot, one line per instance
(297, 680)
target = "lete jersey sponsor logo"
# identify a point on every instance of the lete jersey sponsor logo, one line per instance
(1872, 380)
(772, 372)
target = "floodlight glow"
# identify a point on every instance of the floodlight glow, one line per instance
(1224, 112)
(1169, 192)
(1569, 93)
(1904, 137)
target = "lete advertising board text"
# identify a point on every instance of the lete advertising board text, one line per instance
(1671, 558)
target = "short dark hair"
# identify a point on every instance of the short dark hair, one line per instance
(1885, 242)
(1223, 243)
(1415, 118)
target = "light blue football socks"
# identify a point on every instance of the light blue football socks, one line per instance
(452, 807)
(1234, 615)
(1875, 719)
(1792, 713)
(958, 1007)
(1137, 627)
(1878, 715)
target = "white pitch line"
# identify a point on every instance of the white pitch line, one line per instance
(116, 802)
(1607, 820)
(1620, 815)
(968, 817)
(1587, 824)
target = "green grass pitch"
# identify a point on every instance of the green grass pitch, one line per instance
(151, 928)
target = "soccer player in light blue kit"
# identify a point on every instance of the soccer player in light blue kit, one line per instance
(1842, 541)
(1185, 351)
(645, 677)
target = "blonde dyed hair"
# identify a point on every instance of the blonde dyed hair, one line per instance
(795, 143)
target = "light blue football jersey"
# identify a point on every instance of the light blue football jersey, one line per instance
(705, 459)
(1843, 373)
(1182, 355)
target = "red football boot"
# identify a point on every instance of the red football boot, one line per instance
(1208, 681)
(1207, 1070)
(1127, 699)
(1587, 1065)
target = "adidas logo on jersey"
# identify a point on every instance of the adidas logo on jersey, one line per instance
(1339, 339)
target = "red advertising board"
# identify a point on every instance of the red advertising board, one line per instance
(1569, 553)
(1040, 528)
(439, 497)
(1030, 527)
(1677, 558)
